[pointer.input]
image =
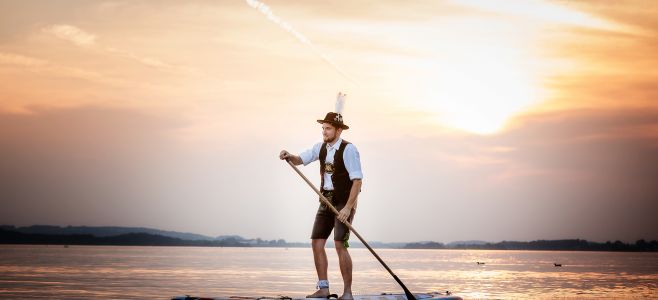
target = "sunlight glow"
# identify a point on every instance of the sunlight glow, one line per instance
(477, 88)
(479, 79)
(548, 12)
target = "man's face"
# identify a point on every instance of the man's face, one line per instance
(330, 133)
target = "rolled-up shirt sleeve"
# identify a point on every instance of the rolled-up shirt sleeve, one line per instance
(352, 162)
(311, 155)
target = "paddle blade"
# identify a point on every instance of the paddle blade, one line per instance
(409, 295)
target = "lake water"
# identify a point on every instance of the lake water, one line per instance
(82, 272)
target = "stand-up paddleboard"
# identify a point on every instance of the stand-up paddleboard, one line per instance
(423, 296)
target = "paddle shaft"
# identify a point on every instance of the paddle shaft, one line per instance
(324, 200)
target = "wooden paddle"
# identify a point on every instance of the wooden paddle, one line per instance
(409, 295)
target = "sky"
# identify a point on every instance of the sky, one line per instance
(522, 120)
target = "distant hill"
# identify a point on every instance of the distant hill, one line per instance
(565, 245)
(472, 242)
(104, 231)
(230, 237)
(127, 239)
(355, 243)
(138, 236)
(425, 245)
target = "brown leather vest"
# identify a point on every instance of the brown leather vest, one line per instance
(340, 178)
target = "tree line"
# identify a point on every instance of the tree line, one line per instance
(564, 245)
(148, 239)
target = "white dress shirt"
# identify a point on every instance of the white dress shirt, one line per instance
(350, 158)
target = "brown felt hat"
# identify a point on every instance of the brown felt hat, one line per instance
(335, 119)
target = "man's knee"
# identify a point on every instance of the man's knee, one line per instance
(318, 243)
(340, 246)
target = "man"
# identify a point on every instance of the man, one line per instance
(340, 170)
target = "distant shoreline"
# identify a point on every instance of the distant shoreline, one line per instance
(9, 236)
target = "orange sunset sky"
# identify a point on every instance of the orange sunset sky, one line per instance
(488, 120)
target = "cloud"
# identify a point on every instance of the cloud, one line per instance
(148, 61)
(563, 173)
(583, 165)
(98, 165)
(41, 66)
(82, 165)
(85, 39)
(265, 10)
(559, 174)
(573, 141)
(71, 34)
(20, 60)
(549, 12)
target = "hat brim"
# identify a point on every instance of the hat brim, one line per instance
(334, 123)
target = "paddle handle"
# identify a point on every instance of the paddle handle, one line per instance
(324, 200)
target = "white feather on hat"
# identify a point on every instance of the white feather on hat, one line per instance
(340, 103)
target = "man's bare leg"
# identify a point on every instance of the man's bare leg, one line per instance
(345, 262)
(321, 265)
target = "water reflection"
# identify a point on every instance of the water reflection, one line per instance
(81, 272)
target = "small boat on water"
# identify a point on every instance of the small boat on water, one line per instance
(424, 296)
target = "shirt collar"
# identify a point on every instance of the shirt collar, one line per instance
(336, 144)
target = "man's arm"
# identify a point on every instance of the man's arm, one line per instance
(353, 165)
(294, 159)
(351, 201)
(304, 158)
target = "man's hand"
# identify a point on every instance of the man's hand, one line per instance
(284, 155)
(294, 159)
(344, 214)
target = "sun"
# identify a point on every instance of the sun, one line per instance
(480, 88)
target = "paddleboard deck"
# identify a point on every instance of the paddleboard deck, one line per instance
(421, 296)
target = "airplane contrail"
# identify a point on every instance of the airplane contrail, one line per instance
(265, 10)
